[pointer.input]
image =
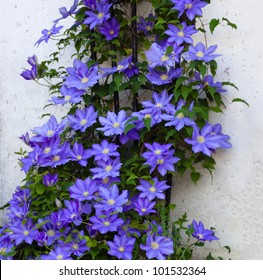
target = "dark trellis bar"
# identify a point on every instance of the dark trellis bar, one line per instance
(135, 104)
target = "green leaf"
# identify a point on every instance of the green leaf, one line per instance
(231, 24)
(195, 176)
(147, 122)
(128, 127)
(230, 84)
(213, 24)
(216, 109)
(240, 100)
(40, 189)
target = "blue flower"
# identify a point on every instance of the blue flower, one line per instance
(180, 35)
(50, 180)
(71, 95)
(157, 247)
(48, 33)
(98, 16)
(121, 247)
(58, 253)
(144, 206)
(113, 124)
(110, 29)
(83, 119)
(110, 199)
(199, 52)
(201, 233)
(79, 154)
(81, 76)
(105, 222)
(163, 77)
(109, 168)
(104, 150)
(83, 190)
(153, 189)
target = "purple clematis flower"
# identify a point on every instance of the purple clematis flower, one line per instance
(23, 232)
(66, 13)
(83, 190)
(79, 154)
(201, 233)
(110, 29)
(157, 56)
(199, 52)
(180, 35)
(71, 95)
(48, 33)
(111, 199)
(121, 247)
(122, 66)
(32, 73)
(51, 129)
(144, 206)
(149, 113)
(110, 168)
(77, 247)
(207, 140)
(83, 119)
(192, 8)
(97, 17)
(113, 124)
(161, 101)
(104, 150)
(73, 211)
(153, 189)
(208, 81)
(81, 76)
(177, 120)
(158, 247)
(105, 222)
(163, 77)
(146, 25)
(58, 253)
(161, 157)
(50, 180)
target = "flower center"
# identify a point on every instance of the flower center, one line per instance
(200, 54)
(200, 139)
(67, 97)
(116, 125)
(100, 15)
(105, 151)
(106, 223)
(59, 257)
(75, 246)
(147, 116)
(164, 77)
(180, 116)
(200, 235)
(47, 150)
(26, 232)
(188, 6)
(106, 180)
(143, 210)
(148, 28)
(86, 193)
(50, 133)
(112, 32)
(164, 58)
(180, 34)
(49, 33)
(51, 233)
(121, 249)
(108, 168)
(159, 105)
(152, 189)
(84, 80)
(119, 67)
(157, 152)
(56, 158)
(154, 245)
(160, 161)
(79, 157)
(83, 122)
(111, 202)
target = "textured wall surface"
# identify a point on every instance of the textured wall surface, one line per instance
(232, 201)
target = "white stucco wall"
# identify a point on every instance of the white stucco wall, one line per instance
(232, 201)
